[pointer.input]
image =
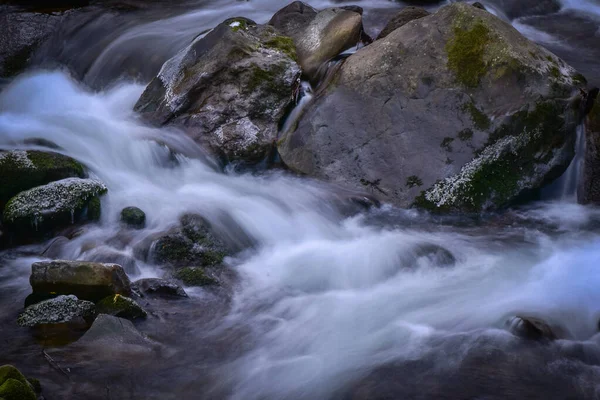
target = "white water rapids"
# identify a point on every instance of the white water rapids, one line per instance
(325, 296)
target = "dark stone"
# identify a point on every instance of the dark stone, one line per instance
(159, 287)
(589, 182)
(479, 5)
(133, 217)
(405, 15)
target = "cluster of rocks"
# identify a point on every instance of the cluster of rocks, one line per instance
(15, 386)
(43, 191)
(448, 111)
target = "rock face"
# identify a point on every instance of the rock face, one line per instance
(60, 310)
(405, 15)
(589, 187)
(23, 170)
(318, 35)
(228, 90)
(86, 280)
(54, 205)
(456, 111)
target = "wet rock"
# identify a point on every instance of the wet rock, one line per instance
(437, 255)
(120, 306)
(159, 287)
(18, 387)
(405, 15)
(55, 247)
(318, 35)
(191, 244)
(589, 183)
(195, 276)
(490, 110)
(86, 280)
(133, 217)
(228, 90)
(479, 5)
(21, 33)
(58, 204)
(534, 328)
(60, 310)
(111, 331)
(23, 170)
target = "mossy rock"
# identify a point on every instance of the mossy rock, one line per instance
(133, 217)
(11, 372)
(194, 276)
(13, 389)
(120, 306)
(58, 204)
(23, 170)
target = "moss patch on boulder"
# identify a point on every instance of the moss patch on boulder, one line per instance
(13, 389)
(194, 276)
(466, 53)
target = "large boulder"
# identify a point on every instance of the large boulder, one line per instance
(403, 17)
(59, 310)
(456, 111)
(23, 170)
(86, 280)
(318, 35)
(55, 205)
(228, 90)
(589, 183)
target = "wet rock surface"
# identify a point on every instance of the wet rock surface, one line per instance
(159, 287)
(60, 310)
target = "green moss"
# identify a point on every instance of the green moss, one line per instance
(413, 181)
(13, 389)
(10, 372)
(555, 72)
(284, 44)
(480, 120)
(579, 79)
(466, 52)
(465, 135)
(120, 306)
(447, 143)
(94, 209)
(194, 276)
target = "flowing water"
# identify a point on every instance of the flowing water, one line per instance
(417, 304)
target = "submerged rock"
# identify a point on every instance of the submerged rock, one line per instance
(60, 310)
(195, 276)
(403, 17)
(86, 280)
(120, 306)
(112, 332)
(456, 111)
(133, 217)
(57, 204)
(228, 89)
(159, 287)
(535, 329)
(23, 170)
(318, 35)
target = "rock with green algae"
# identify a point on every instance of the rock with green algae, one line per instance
(228, 89)
(59, 310)
(13, 389)
(86, 280)
(55, 205)
(194, 276)
(458, 70)
(133, 217)
(120, 306)
(22, 170)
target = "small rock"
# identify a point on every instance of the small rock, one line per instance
(87, 280)
(60, 310)
(533, 328)
(133, 217)
(160, 287)
(405, 15)
(115, 331)
(120, 306)
(479, 5)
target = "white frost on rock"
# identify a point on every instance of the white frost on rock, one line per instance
(66, 195)
(60, 310)
(18, 157)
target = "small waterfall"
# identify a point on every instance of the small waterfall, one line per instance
(565, 187)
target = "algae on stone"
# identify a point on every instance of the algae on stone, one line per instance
(120, 306)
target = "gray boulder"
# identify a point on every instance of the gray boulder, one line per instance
(59, 310)
(403, 17)
(87, 280)
(228, 90)
(456, 111)
(318, 35)
(55, 205)
(589, 182)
